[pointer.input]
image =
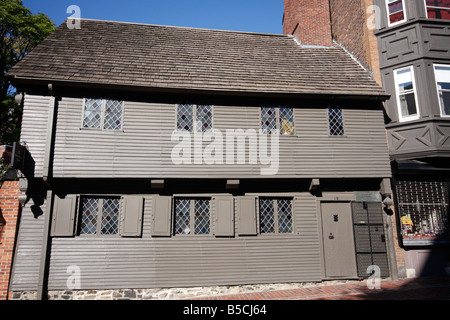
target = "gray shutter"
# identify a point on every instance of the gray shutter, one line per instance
(246, 215)
(223, 216)
(161, 216)
(131, 220)
(63, 218)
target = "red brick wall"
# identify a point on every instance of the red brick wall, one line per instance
(9, 206)
(350, 28)
(308, 21)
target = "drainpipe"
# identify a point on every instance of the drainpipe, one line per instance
(47, 172)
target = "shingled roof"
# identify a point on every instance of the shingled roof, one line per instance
(150, 56)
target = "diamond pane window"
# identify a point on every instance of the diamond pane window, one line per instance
(396, 11)
(113, 115)
(102, 114)
(275, 215)
(110, 216)
(267, 216)
(99, 216)
(92, 116)
(182, 216)
(194, 212)
(194, 118)
(335, 121)
(287, 121)
(438, 9)
(89, 216)
(185, 117)
(268, 119)
(204, 118)
(201, 217)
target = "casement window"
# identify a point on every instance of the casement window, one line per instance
(192, 216)
(438, 9)
(442, 75)
(335, 121)
(77, 215)
(396, 11)
(194, 118)
(102, 114)
(277, 118)
(406, 94)
(99, 216)
(275, 215)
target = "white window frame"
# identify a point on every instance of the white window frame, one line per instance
(397, 94)
(426, 10)
(103, 113)
(404, 14)
(194, 118)
(441, 107)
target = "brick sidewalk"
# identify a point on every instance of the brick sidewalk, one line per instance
(406, 289)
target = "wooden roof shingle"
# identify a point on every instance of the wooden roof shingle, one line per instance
(128, 54)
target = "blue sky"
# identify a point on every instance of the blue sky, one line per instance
(241, 15)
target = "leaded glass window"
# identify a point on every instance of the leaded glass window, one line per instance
(280, 118)
(335, 121)
(268, 119)
(102, 114)
(275, 215)
(192, 212)
(194, 118)
(287, 121)
(99, 216)
(92, 116)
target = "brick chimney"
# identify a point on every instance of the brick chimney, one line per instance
(309, 21)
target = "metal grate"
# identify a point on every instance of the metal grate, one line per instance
(423, 209)
(92, 115)
(113, 115)
(204, 121)
(284, 216)
(202, 217)
(185, 117)
(89, 216)
(182, 216)
(267, 216)
(110, 216)
(268, 119)
(336, 121)
(287, 121)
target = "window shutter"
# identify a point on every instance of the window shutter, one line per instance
(161, 216)
(224, 216)
(131, 216)
(63, 220)
(246, 213)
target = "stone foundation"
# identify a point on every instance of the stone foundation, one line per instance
(164, 294)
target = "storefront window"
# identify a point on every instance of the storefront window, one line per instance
(423, 210)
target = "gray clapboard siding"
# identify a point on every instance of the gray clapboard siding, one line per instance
(28, 250)
(144, 146)
(192, 261)
(34, 128)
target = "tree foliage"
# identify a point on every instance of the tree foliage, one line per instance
(20, 31)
